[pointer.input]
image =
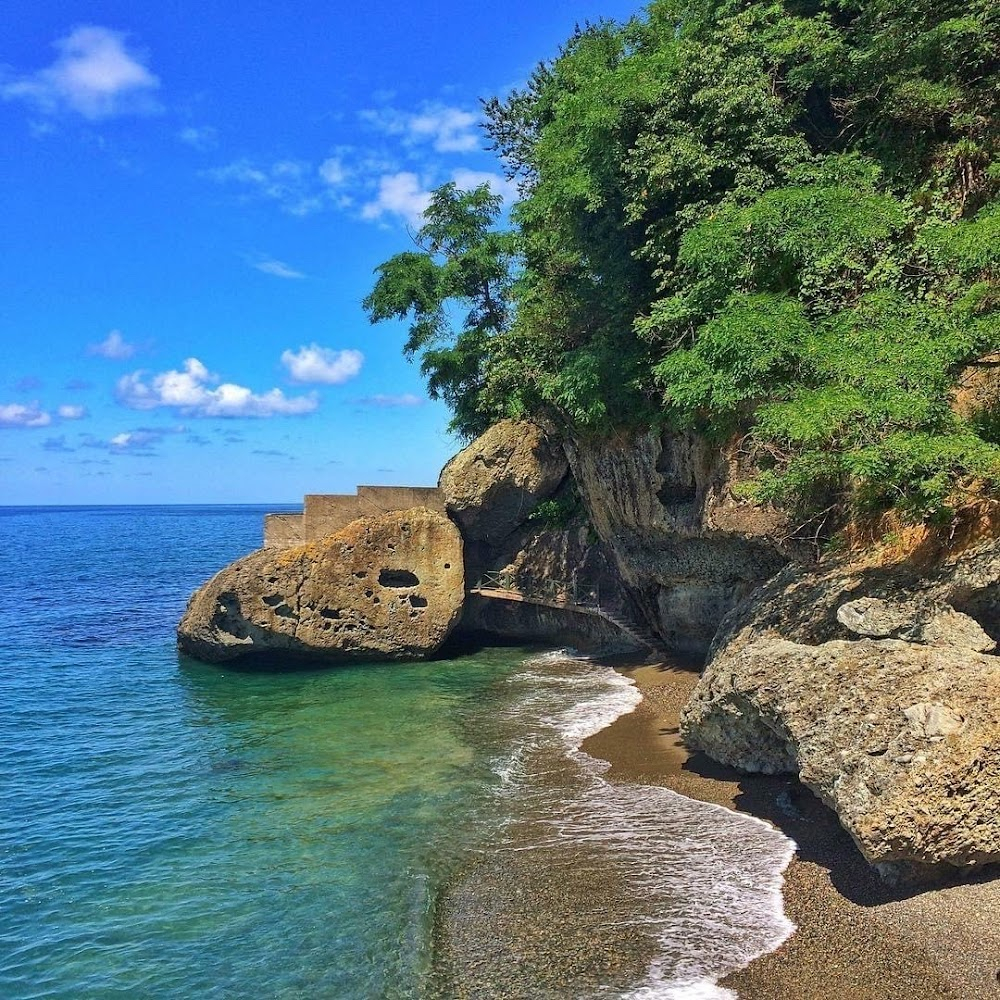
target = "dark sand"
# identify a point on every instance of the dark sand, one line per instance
(857, 939)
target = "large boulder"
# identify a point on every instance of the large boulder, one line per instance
(899, 730)
(922, 621)
(902, 740)
(493, 485)
(389, 587)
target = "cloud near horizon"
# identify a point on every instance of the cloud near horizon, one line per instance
(93, 75)
(315, 364)
(196, 392)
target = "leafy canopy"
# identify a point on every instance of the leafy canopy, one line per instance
(778, 220)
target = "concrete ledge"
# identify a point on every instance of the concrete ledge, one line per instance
(326, 513)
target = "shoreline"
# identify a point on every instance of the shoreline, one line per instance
(856, 937)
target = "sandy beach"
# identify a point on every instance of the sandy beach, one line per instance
(856, 938)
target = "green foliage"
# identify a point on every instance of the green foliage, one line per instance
(462, 261)
(558, 512)
(760, 217)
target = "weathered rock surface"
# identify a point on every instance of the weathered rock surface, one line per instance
(387, 587)
(919, 621)
(492, 486)
(802, 602)
(686, 546)
(901, 740)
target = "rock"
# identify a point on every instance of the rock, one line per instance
(687, 547)
(493, 485)
(901, 740)
(932, 720)
(389, 587)
(929, 622)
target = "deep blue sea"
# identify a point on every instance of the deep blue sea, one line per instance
(170, 829)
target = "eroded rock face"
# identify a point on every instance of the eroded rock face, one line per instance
(687, 548)
(493, 485)
(902, 740)
(388, 587)
(898, 731)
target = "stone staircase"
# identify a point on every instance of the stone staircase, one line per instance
(642, 635)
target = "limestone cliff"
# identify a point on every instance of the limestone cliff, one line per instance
(686, 547)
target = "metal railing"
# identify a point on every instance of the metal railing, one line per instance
(556, 591)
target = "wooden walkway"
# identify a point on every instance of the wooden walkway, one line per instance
(546, 602)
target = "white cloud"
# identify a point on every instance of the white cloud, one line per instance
(200, 137)
(468, 179)
(198, 393)
(333, 171)
(446, 129)
(278, 269)
(23, 415)
(69, 411)
(135, 441)
(114, 347)
(93, 75)
(322, 365)
(399, 194)
(291, 183)
(406, 399)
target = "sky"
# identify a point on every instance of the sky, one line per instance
(196, 194)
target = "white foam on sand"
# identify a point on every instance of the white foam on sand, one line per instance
(707, 881)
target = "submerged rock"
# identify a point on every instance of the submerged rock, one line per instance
(389, 587)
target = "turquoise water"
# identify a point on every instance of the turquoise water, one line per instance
(170, 829)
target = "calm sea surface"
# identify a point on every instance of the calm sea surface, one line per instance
(174, 830)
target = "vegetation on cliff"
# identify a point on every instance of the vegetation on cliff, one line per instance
(772, 220)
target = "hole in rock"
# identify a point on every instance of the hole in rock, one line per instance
(398, 578)
(447, 565)
(416, 601)
(284, 611)
(273, 600)
(331, 613)
(361, 574)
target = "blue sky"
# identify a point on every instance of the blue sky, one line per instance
(195, 197)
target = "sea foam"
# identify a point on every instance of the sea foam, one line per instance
(706, 881)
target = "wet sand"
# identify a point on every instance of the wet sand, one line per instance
(857, 938)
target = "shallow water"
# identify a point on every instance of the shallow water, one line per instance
(170, 829)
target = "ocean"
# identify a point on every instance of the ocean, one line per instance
(170, 829)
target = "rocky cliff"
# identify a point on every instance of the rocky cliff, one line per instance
(878, 686)
(687, 549)
(874, 679)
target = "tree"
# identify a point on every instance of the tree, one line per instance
(464, 263)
